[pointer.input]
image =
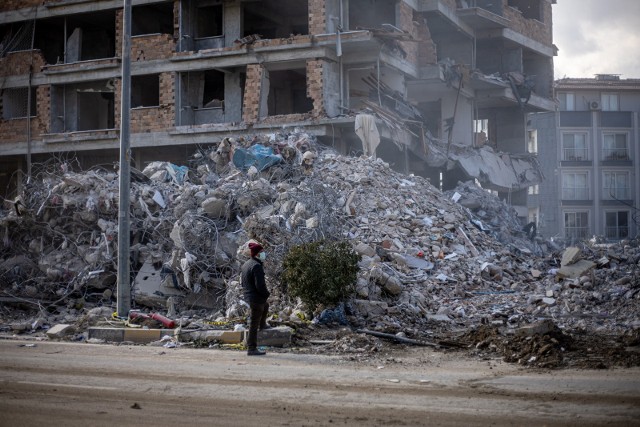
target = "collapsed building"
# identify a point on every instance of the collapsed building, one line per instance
(438, 88)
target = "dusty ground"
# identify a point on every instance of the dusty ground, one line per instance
(76, 384)
(555, 350)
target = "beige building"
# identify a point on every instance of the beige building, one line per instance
(449, 83)
(589, 149)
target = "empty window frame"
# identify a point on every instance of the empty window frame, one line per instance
(288, 92)
(145, 91)
(574, 147)
(90, 36)
(371, 13)
(533, 190)
(209, 17)
(615, 146)
(616, 225)
(95, 110)
(152, 19)
(273, 19)
(576, 225)
(575, 186)
(567, 101)
(532, 141)
(530, 9)
(610, 102)
(615, 185)
(15, 103)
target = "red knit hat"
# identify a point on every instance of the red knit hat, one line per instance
(255, 248)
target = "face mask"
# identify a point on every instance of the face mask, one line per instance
(262, 256)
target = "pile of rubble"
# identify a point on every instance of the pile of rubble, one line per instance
(432, 263)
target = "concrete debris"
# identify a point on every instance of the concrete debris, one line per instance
(429, 264)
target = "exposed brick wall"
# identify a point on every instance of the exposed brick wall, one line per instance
(252, 87)
(43, 105)
(17, 63)
(299, 39)
(150, 119)
(119, 34)
(15, 130)
(315, 86)
(156, 46)
(406, 24)
(427, 49)
(317, 17)
(536, 30)
(176, 19)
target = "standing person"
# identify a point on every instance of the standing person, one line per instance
(256, 294)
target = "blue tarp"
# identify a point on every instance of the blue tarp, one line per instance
(258, 155)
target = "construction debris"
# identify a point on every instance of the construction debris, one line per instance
(433, 264)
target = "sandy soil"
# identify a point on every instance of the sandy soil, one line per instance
(56, 383)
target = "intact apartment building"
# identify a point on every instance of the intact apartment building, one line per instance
(589, 150)
(449, 82)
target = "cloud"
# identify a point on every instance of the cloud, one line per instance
(597, 37)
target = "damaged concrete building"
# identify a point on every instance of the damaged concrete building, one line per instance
(438, 88)
(589, 152)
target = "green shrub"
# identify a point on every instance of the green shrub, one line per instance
(321, 273)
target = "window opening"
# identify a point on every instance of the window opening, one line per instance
(617, 225)
(15, 103)
(576, 225)
(152, 19)
(616, 186)
(209, 21)
(288, 92)
(532, 142)
(530, 9)
(371, 13)
(575, 186)
(610, 102)
(615, 147)
(95, 110)
(276, 18)
(145, 91)
(567, 101)
(574, 147)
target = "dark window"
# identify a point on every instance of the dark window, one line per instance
(530, 9)
(15, 103)
(209, 21)
(145, 91)
(152, 19)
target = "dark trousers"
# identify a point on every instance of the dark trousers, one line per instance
(258, 320)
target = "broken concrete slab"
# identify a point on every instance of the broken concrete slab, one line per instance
(571, 255)
(220, 336)
(576, 270)
(60, 331)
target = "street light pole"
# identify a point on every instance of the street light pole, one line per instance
(124, 280)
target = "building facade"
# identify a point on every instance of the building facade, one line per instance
(590, 149)
(448, 82)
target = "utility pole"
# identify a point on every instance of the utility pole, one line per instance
(124, 280)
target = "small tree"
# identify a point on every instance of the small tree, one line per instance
(321, 273)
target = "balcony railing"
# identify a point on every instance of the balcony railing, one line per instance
(616, 233)
(615, 154)
(619, 193)
(576, 233)
(575, 194)
(572, 154)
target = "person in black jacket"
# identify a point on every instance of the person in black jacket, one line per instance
(255, 294)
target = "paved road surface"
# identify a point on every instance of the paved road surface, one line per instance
(67, 384)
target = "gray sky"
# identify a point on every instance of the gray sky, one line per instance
(597, 37)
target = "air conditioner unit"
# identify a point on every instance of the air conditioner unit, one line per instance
(594, 105)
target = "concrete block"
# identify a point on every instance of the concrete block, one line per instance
(538, 328)
(142, 336)
(576, 270)
(60, 331)
(570, 256)
(107, 334)
(274, 337)
(224, 337)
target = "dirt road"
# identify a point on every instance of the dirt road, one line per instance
(66, 384)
